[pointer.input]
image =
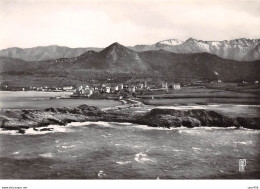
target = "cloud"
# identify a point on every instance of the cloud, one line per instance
(78, 23)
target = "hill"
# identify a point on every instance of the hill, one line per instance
(119, 63)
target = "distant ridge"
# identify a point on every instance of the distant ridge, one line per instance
(237, 49)
(44, 52)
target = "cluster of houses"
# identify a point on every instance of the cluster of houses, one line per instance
(86, 90)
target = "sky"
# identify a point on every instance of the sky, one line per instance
(98, 23)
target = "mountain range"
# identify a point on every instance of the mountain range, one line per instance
(238, 49)
(44, 52)
(117, 59)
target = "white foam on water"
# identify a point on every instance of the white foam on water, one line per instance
(56, 128)
(124, 123)
(103, 123)
(140, 111)
(243, 105)
(181, 107)
(245, 143)
(101, 174)
(9, 132)
(15, 153)
(176, 150)
(47, 155)
(123, 162)
(31, 131)
(142, 157)
(65, 147)
(137, 146)
(146, 127)
(86, 123)
(213, 128)
(77, 124)
(194, 148)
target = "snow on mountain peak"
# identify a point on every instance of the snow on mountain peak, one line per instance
(171, 42)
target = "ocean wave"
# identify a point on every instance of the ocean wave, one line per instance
(101, 174)
(137, 146)
(141, 111)
(15, 153)
(146, 127)
(86, 123)
(9, 132)
(56, 128)
(176, 150)
(32, 131)
(65, 147)
(181, 107)
(99, 123)
(194, 148)
(47, 155)
(123, 162)
(142, 157)
(244, 142)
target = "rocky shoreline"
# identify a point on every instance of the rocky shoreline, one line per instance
(21, 120)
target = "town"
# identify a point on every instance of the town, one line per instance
(115, 91)
(138, 89)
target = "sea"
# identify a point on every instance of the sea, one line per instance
(109, 150)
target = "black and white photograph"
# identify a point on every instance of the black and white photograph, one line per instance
(129, 90)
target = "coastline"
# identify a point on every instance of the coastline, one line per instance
(21, 120)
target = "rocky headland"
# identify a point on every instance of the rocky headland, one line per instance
(21, 120)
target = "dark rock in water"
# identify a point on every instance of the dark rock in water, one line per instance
(8, 125)
(46, 129)
(21, 131)
(51, 121)
(190, 122)
(194, 118)
(250, 123)
(89, 110)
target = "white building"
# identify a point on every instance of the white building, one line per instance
(164, 85)
(176, 86)
(131, 89)
(145, 84)
(67, 88)
(120, 86)
(107, 89)
(115, 88)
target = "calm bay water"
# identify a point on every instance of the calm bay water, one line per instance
(101, 150)
(40, 100)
